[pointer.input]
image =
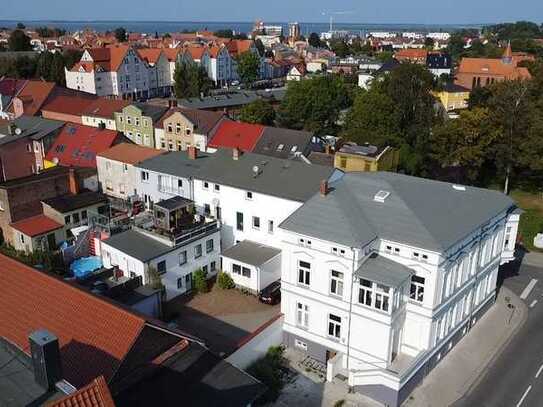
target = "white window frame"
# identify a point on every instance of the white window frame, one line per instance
(304, 273)
(302, 315)
(336, 283)
(334, 326)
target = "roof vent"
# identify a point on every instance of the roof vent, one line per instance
(381, 196)
(256, 171)
(459, 187)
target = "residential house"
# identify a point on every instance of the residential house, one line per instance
(439, 63)
(116, 171)
(173, 55)
(160, 83)
(174, 247)
(180, 128)
(296, 73)
(67, 108)
(116, 70)
(23, 97)
(351, 157)
(37, 233)
(23, 145)
(231, 134)
(171, 174)
(480, 72)
(221, 65)
(453, 97)
(101, 112)
(83, 336)
(411, 260)
(413, 55)
(284, 143)
(77, 145)
(137, 122)
(197, 54)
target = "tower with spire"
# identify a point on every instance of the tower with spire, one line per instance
(507, 57)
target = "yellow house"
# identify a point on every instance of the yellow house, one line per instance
(453, 97)
(352, 157)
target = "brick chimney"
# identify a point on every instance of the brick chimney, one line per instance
(73, 185)
(236, 153)
(192, 152)
(324, 188)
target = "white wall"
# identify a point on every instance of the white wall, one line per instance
(116, 177)
(260, 277)
(96, 121)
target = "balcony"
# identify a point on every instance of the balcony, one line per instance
(169, 189)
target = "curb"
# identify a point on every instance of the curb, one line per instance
(498, 350)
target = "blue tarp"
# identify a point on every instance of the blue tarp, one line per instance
(83, 267)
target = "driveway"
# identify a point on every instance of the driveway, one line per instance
(222, 318)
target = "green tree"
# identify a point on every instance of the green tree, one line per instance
(224, 281)
(429, 43)
(248, 67)
(19, 41)
(463, 143)
(340, 48)
(120, 34)
(190, 80)
(200, 282)
(20, 26)
(224, 33)
(258, 112)
(315, 104)
(314, 40)
(71, 57)
(456, 45)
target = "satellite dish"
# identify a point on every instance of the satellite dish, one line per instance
(256, 169)
(18, 131)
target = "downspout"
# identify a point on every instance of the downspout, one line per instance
(470, 324)
(350, 319)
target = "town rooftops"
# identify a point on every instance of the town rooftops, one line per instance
(384, 271)
(32, 93)
(129, 153)
(204, 121)
(283, 143)
(231, 134)
(78, 145)
(69, 105)
(104, 108)
(365, 150)
(94, 394)
(361, 207)
(68, 203)
(252, 253)
(155, 112)
(289, 179)
(176, 163)
(232, 99)
(137, 245)
(30, 126)
(493, 66)
(36, 225)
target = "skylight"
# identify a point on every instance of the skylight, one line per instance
(381, 196)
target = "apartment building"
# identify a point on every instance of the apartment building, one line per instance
(137, 122)
(382, 274)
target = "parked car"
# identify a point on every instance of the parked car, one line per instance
(271, 294)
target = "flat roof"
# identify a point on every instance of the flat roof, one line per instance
(137, 245)
(384, 271)
(68, 203)
(174, 203)
(253, 253)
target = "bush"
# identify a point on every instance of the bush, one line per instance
(200, 282)
(268, 370)
(225, 281)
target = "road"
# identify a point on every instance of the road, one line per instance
(515, 378)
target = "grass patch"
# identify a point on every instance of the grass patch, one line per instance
(531, 221)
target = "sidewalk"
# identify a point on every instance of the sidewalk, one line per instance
(533, 259)
(463, 367)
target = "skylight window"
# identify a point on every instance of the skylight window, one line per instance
(381, 196)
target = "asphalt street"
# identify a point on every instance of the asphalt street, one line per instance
(515, 378)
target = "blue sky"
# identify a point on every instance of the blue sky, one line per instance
(356, 11)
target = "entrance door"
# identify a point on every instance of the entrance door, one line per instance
(51, 241)
(188, 281)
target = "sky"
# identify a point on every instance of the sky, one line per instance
(348, 11)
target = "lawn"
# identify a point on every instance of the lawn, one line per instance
(531, 221)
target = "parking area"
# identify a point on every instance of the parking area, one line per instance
(222, 318)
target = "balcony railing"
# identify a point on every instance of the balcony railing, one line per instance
(168, 189)
(181, 235)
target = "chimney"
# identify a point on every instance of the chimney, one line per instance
(11, 129)
(192, 152)
(327, 149)
(324, 188)
(73, 186)
(174, 102)
(170, 103)
(45, 354)
(236, 153)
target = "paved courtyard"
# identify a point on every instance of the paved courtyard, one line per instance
(222, 318)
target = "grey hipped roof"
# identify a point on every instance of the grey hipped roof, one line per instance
(253, 253)
(31, 126)
(289, 179)
(384, 271)
(176, 163)
(153, 111)
(137, 245)
(423, 213)
(273, 137)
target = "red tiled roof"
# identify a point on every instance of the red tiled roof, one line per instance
(151, 55)
(94, 335)
(172, 53)
(77, 145)
(105, 108)
(95, 394)
(36, 225)
(196, 52)
(492, 66)
(232, 134)
(108, 58)
(130, 153)
(411, 54)
(33, 94)
(69, 105)
(238, 47)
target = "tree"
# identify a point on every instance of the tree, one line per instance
(463, 143)
(258, 112)
(455, 48)
(314, 40)
(19, 41)
(340, 48)
(315, 104)
(20, 26)
(71, 57)
(248, 67)
(190, 80)
(120, 34)
(200, 282)
(260, 46)
(225, 282)
(429, 43)
(224, 33)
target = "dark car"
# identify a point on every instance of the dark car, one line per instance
(271, 294)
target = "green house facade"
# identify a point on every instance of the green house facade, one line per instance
(136, 122)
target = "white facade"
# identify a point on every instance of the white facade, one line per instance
(116, 178)
(93, 121)
(364, 80)
(179, 264)
(378, 335)
(252, 277)
(154, 186)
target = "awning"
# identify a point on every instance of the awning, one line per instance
(384, 271)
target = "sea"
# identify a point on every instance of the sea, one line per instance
(162, 27)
